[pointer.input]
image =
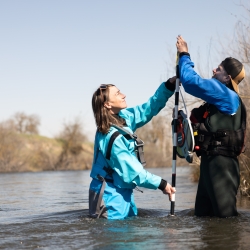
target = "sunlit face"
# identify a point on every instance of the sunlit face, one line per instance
(220, 74)
(116, 100)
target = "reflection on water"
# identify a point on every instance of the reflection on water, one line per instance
(49, 210)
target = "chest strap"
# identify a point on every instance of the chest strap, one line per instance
(138, 144)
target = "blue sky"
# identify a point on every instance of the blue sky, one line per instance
(55, 53)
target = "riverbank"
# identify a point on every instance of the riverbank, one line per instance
(34, 153)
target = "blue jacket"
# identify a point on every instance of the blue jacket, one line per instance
(210, 90)
(128, 171)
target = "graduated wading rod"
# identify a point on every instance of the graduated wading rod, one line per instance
(177, 87)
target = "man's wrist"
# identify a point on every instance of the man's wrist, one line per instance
(184, 54)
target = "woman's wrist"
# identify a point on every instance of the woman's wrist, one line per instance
(163, 184)
(170, 86)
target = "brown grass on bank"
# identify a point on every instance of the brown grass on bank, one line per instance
(244, 175)
(195, 172)
(21, 152)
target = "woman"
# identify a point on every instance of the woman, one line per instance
(116, 170)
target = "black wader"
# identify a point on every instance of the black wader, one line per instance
(218, 185)
(219, 174)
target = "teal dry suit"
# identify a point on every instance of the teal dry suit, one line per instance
(121, 172)
(220, 137)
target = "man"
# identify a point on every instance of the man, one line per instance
(219, 129)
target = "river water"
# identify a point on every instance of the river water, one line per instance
(49, 210)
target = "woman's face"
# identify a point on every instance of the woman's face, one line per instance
(116, 100)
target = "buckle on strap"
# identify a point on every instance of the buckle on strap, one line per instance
(134, 136)
(139, 143)
(215, 143)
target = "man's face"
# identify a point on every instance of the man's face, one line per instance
(220, 74)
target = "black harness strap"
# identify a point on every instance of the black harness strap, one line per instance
(100, 209)
(138, 144)
(108, 170)
(111, 141)
(128, 137)
(140, 153)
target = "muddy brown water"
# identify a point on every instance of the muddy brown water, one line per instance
(49, 210)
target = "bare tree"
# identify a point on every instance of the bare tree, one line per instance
(12, 158)
(72, 138)
(27, 124)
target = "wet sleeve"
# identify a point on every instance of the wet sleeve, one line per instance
(126, 165)
(210, 90)
(139, 115)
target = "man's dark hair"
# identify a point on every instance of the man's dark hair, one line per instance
(232, 66)
(235, 69)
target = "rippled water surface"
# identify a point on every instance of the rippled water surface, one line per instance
(50, 210)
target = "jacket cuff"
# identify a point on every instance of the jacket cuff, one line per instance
(170, 86)
(184, 54)
(162, 185)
